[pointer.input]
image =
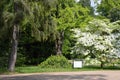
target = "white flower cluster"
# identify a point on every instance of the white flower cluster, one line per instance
(109, 43)
(89, 61)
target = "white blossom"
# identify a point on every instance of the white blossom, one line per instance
(109, 43)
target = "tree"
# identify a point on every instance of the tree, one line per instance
(18, 14)
(99, 40)
(68, 14)
(110, 9)
(18, 7)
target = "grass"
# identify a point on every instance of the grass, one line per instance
(104, 68)
(34, 69)
(37, 69)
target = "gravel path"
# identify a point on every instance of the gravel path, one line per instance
(83, 75)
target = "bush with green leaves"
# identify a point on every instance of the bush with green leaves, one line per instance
(56, 62)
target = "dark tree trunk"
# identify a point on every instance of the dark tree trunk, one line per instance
(58, 43)
(102, 64)
(13, 55)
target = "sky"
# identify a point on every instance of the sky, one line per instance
(93, 4)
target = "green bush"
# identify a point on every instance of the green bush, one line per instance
(55, 62)
(3, 61)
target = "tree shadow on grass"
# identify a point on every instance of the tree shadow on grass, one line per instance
(58, 77)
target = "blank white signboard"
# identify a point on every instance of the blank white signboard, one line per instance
(77, 64)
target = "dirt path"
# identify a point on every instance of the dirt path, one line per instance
(83, 75)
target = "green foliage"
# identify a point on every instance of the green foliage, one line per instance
(4, 50)
(110, 9)
(41, 21)
(66, 48)
(55, 62)
(87, 3)
(68, 43)
(20, 60)
(70, 16)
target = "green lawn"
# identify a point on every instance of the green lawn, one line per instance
(37, 69)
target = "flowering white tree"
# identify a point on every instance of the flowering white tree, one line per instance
(100, 39)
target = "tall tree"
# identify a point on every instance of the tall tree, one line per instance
(18, 7)
(68, 14)
(62, 18)
(19, 13)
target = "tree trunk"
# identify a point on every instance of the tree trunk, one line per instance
(102, 64)
(13, 55)
(58, 43)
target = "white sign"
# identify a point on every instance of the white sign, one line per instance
(77, 64)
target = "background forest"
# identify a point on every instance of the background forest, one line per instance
(33, 30)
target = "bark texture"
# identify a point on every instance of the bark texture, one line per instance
(13, 55)
(59, 43)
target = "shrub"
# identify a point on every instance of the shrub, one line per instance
(55, 62)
